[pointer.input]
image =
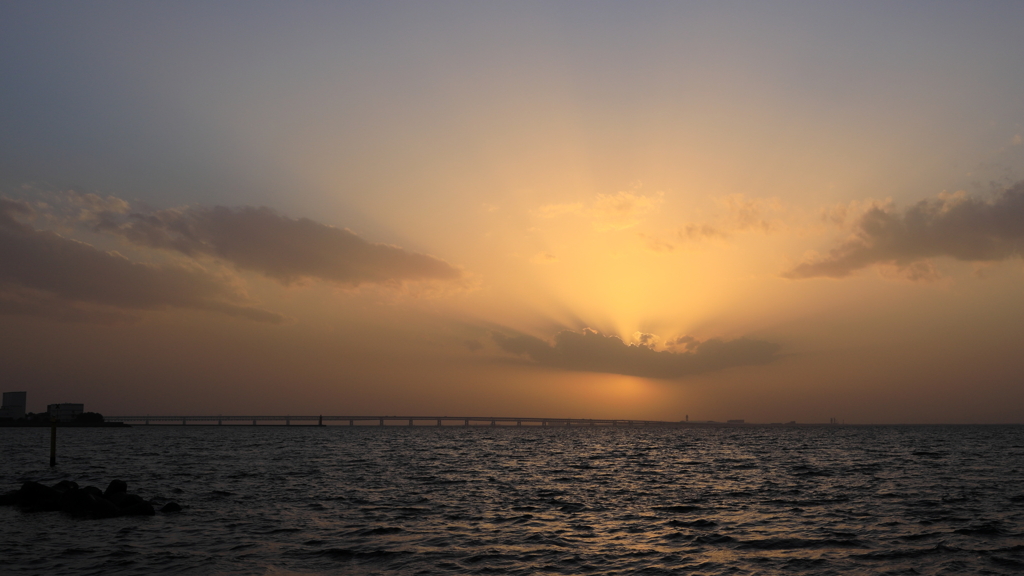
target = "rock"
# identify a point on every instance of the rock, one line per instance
(35, 493)
(100, 507)
(115, 487)
(73, 501)
(34, 497)
(65, 485)
(118, 498)
(171, 507)
(67, 497)
(88, 503)
(93, 490)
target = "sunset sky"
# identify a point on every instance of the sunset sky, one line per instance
(769, 211)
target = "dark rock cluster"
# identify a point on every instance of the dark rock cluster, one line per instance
(66, 496)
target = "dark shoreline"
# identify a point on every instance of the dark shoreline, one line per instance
(28, 424)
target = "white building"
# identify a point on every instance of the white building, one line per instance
(14, 405)
(65, 412)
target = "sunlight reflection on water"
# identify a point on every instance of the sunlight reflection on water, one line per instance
(340, 500)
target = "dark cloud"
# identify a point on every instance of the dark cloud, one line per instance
(282, 248)
(958, 226)
(683, 342)
(45, 274)
(591, 351)
(18, 300)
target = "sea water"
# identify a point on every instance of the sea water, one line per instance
(530, 500)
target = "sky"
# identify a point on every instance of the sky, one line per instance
(784, 211)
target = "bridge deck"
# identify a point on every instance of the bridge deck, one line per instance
(388, 420)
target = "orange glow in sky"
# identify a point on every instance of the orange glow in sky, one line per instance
(578, 210)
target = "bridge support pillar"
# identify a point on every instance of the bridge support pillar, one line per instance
(410, 421)
(494, 423)
(467, 422)
(351, 422)
(288, 422)
(182, 421)
(519, 422)
(438, 421)
(381, 421)
(220, 422)
(253, 422)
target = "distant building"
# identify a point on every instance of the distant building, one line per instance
(65, 412)
(14, 405)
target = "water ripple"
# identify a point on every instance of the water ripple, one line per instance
(341, 500)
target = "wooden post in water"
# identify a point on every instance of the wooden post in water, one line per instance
(321, 420)
(53, 441)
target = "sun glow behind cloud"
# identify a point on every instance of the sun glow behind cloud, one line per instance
(609, 277)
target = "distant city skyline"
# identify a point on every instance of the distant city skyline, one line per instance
(774, 212)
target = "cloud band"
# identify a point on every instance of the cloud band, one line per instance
(592, 351)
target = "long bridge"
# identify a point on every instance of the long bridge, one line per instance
(321, 420)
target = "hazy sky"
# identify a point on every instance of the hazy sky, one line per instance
(771, 211)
